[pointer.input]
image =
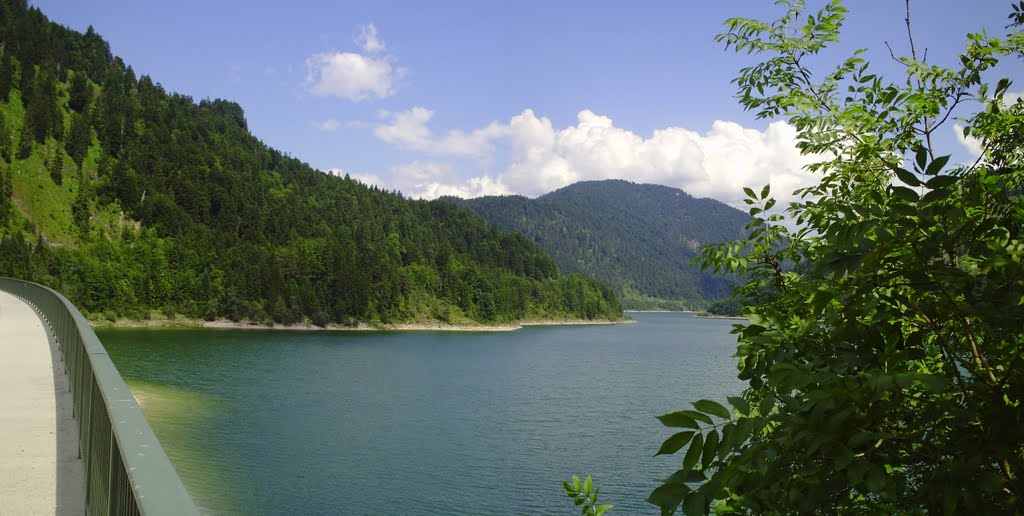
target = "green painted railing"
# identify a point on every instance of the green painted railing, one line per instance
(126, 469)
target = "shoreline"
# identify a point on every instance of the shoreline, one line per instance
(660, 311)
(182, 323)
(713, 316)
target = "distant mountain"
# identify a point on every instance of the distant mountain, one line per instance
(638, 238)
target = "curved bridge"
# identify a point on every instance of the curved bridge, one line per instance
(72, 438)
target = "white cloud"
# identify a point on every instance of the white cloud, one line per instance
(366, 179)
(367, 39)
(541, 158)
(369, 180)
(973, 145)
(1011, 97)
(351, 75)
(328, 125)
(408, 130)
(430, 180)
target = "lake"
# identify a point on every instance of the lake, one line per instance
(283, 422)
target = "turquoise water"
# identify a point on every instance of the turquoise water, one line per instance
(422, 423)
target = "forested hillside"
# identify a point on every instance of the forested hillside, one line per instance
(638, 238)
(130, 199)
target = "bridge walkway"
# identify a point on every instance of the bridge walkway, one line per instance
(40, 472)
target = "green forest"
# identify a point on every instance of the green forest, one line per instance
(135, 202)
(640, 239)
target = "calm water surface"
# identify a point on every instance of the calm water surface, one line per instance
(422, 423)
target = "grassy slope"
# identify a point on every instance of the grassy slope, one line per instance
(42, 204)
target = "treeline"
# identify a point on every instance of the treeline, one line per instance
(639, 238)
(162, 203)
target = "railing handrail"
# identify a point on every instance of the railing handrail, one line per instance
(126, 469)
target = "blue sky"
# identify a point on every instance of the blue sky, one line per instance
(471, 98)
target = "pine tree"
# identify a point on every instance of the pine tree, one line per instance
(81, 93)
(5, 139)
(26, 82)
(43, 112)
(79, 138)
(6, 76)
(25, 141)
(80, 209)
(57, 166)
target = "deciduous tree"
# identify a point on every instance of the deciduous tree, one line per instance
(883, 347)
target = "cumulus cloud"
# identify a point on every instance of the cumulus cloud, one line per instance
(973, 145)
(366, 179)
(431, 179)
(328, 125)
(717, 163)
(351, 75)
(408, 130)
(1011, 97)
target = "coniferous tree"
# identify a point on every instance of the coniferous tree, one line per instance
(6, 76)
(26, 82)
(79, 138)
(6, 191)
(80, 209)
(97, 55)
(43, 113)
(5, 140)
(81, 93)
(25, 140)
(57, 165)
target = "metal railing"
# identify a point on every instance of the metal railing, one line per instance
(126, 469)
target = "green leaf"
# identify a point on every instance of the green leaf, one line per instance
(905, 193)
(936, 166)
(686, 476)
(674, 443)
(766, 190)
(938, 182)
(749, 192)
(698, 416)
(694, 504)
(587, 484)
(710, 449)
(1003, 83)
(712, 407)
(569, 491)
(907, 177)
(600, 510)
(741, 405)
(922, 158)
(693, 452)
(678, 420)
(576, 483)
(668, 496)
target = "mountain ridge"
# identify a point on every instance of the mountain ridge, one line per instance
(638, 238)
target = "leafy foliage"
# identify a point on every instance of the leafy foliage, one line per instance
(585, 496)
(176, 207)
(883, 346)
(640, 239)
